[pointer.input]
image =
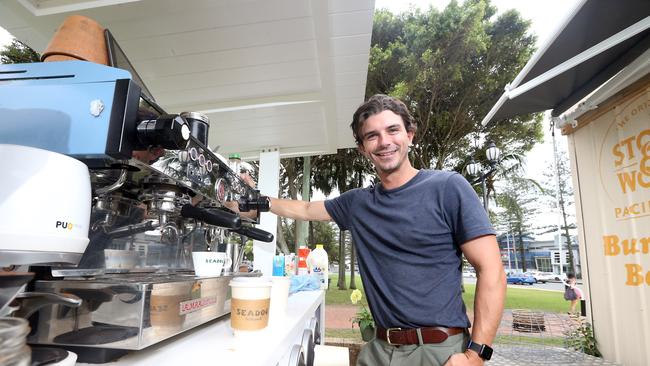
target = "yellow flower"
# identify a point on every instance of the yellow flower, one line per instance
(355, 296)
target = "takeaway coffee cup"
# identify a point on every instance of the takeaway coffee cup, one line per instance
(279, 297)
(210, 264)
(249, 306)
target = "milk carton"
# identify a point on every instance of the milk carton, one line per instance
(318, 264)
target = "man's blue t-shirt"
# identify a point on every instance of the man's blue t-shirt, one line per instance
(408, 240)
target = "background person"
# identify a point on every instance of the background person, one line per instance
(571, 285)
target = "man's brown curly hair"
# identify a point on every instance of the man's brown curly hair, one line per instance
(375, 105)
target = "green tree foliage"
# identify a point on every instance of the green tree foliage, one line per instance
(519, 202)
(450, 67)
(325, 233)
(18, 53)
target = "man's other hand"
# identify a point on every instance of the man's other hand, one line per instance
(467, 358)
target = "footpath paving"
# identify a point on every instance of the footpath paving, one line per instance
(515, 351)
(338, 316)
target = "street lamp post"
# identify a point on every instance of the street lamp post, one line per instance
(492, 153)
(508, 243)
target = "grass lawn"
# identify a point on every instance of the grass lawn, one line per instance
(516, 298)
(524, 340)
(342, 297)
(343, 333)
(520, 298)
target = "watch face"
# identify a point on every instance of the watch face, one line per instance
(486, 352)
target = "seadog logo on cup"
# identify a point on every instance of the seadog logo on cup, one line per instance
(252, 313)
(64, 225)
(216, 261)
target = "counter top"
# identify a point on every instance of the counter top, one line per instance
(215, 343)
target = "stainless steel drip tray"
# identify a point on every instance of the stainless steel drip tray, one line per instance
(131, 311)
(148, 277)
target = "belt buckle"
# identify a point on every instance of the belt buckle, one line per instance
(388, 335)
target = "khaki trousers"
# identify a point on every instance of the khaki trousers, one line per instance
(379, 353)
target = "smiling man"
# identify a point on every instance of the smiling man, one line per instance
(410, 231)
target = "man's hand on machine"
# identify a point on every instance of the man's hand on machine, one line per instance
(260, 204)
(249, 208)
(247, 179)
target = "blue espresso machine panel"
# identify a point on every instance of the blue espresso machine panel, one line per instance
(76, 108)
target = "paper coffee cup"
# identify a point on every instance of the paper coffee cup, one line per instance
(250, 303)
(210, 264)
(279, 297)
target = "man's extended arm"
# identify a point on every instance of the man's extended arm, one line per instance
(293, 209)
(483, 253)
(300, 210)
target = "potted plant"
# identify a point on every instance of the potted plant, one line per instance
(363, 318)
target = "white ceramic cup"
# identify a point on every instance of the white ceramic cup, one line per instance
(279, 297)
(210, 264)
(249, 306)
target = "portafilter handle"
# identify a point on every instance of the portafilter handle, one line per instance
(255, 233)
(214, 217)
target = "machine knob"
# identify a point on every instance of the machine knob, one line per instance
(169, 131)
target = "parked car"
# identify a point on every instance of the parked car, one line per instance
(520, 279)
(542, 277)
(560, 277)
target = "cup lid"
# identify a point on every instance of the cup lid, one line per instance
(250, 282)
(279, 278)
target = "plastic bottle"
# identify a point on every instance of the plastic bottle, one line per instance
(303, 253)
(278, 265)
(234, 160)
(318, 264)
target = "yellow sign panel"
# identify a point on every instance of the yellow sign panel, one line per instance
(624, 169)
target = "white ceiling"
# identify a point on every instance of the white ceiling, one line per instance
(284, 74)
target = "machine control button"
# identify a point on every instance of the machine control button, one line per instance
(194, 154)
(96, 107)
(185, 131)
(220, 190)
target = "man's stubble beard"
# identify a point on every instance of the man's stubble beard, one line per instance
(389, 170)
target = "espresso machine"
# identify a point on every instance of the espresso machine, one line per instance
(110, 246)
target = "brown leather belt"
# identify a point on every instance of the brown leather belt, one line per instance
(399, 336)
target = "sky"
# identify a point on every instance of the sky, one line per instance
(545, 16)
